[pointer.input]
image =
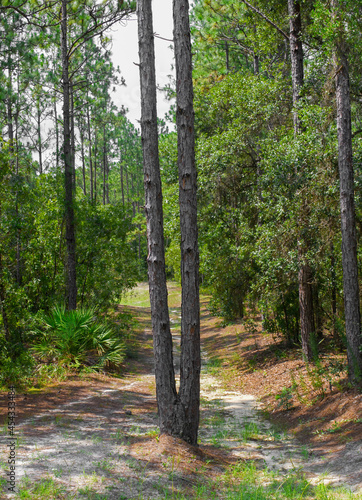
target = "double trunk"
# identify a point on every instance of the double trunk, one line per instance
(166, 393)
(178, 413)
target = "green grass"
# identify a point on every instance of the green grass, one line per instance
(39, 490)
(139, 297)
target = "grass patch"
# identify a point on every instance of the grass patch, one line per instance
(45, 488)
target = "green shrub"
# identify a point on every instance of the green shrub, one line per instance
(77, 338)
(15, 368)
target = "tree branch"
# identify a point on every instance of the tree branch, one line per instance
(266, 19)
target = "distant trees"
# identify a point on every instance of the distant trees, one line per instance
(56, 110)
(267, 160)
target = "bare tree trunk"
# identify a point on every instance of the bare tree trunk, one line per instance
(95, 168)
(39, 138)
(81, 133)
(190, 321)
(104, 165)
(107, 183)
(122, 187)
(127, 185)
(72, 128)
(334, 293)
(56, 131)
(90, 154)
(68, 171)
(162, 341)
(307, 328)
(348, 223)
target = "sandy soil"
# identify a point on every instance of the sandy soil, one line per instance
(98, 436)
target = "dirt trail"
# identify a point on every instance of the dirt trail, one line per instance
(105, 445)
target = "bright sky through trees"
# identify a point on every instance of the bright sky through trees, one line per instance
(125, 54)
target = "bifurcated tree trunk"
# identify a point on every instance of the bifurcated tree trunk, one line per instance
(190, 309)
(162, 341)
(307, 328)
(68, 170)
(348, 223)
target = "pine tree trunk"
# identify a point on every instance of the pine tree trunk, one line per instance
(39, 138)
(95, 168)
(162, 340)
(307, 328)
(72, 134)
(122, 187)
(56, 131)
(68, 170)
(81, 133)
(104, 164)
(348, 223)
(190, 320)
(90, 154)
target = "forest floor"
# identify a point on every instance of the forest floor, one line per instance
(270, 427)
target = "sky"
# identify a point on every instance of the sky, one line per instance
(125, 54)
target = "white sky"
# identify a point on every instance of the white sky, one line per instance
(125, 54)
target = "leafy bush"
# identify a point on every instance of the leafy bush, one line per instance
(77, 338)
(16, 367)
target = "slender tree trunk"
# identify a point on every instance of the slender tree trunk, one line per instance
(190, 320)
(348, 223)
(68, 171)
(307, 328)
(162, 341)
(95, 168)
(81, 134)
(56, 131)
(334, 293)
(90, 154)
(19, 277)
(104, 164)
(122, 187)
(296, 54)
(39, 138)
(227, 56)
(107, 183)
(127, 185)
(72, 128)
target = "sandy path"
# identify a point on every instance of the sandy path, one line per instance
(105, 443)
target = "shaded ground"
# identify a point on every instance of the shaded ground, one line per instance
(97, 437)
(312, 404)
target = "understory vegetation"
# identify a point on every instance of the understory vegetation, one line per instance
(268, 198)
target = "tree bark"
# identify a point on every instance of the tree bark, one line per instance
(56, 131)
(346, 186)
(72, 134)
(307, 328)
(190, 319)
(296, 55)
(39, 138)
(167, 398)
(68, 171)
(90, 154)
(122, 187)
(104, 165)
(81, 133)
